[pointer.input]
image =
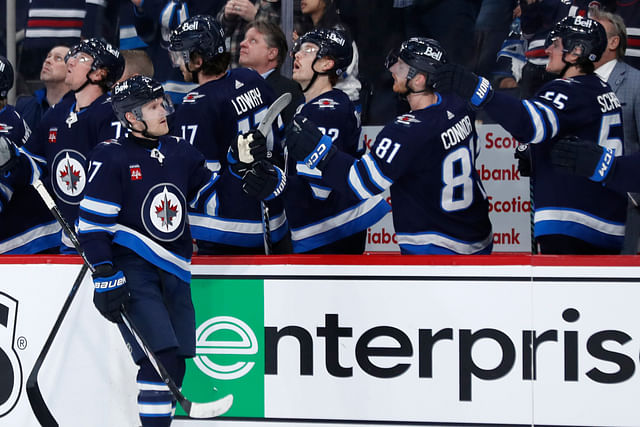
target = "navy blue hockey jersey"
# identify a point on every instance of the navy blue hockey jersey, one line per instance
(317, 214)
(26, 225)
(427, 159)
(58, 148)
(210, 118)
(137, 197)
(571, 205)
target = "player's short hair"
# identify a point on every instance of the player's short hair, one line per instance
(137, 62)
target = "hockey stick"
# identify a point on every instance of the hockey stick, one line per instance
(193, 409)
(40, 409)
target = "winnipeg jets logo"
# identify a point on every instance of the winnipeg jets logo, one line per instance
(191, 97)
(5, 128)
(326, 103)
(407, 119)
(163, 212)
(11, 380)
(70, 177)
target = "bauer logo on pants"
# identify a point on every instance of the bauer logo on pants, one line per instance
(11, 378)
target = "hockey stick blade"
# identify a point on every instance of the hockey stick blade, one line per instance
(38, 405)
(193, 409)
(272, 112)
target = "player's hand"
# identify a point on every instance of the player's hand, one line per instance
(523, 156)
(307, 144)
(582, 157)
(111, 291)
(7, 154)
(264, 181)
(457, 79)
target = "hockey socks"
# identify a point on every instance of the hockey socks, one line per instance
(156, 404)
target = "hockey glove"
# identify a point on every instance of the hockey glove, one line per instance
(457, 79)
(523, 156)
(111, 291)
(264, 181)
(584, 158)
(8, 154)
(307, 144)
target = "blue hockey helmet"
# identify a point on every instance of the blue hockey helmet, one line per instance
(132, 94)
(581, 36)
(201, 34)
(334, 43)
(104, 56)
(6, 76)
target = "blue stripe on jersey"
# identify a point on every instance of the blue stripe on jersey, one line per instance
(208, 185)
(99, 207)
(356, 183)
(438, 243)
(320, 192)
(344, 224)
(552, 117)
(579, 224)
(537, 121)
(33, 240)
(87, 226)
(235, 232)
(6, 191)
(375, 173)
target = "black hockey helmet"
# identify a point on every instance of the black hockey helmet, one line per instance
(421, 54)
(583, 33)
(6, 76)
(132, 94)
(104, 56)
(332, 42)
(201, 34)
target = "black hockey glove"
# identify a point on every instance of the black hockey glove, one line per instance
(457, 79)
(584, 158)
(523, 156)
(264, 181)
(111, 292)
(307, 144)
(8, 154)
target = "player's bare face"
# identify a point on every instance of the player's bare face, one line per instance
(254, 51)
(399, 72)
(555, 53)
(78, 66)
(154, 114)
(303, 62)
(53, 68)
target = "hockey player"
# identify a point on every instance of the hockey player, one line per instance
(134, 229)
(26, 226)
(227, 103)
(58, 147)
(572, 214)
(426, 158)
(323, 219)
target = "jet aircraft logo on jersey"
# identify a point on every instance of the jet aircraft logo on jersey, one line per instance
(407, 119)
(11, 379)
(191, 97)
(53, 135)
(5, 128)
(326, 103)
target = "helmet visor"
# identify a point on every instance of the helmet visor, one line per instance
(392, 58)
(179, 58)
(157, 109)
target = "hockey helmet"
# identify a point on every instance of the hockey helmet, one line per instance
(332, 42)
(587, 35)
(132, 94)
(6, 76)
(104, 56)
(201, 34)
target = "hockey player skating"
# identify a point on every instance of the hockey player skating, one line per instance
(227, 103)
(134, 230)
(323, 219)
(425, 157)
(58, 147)
(572, 214)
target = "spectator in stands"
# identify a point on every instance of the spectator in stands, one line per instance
(264, 49)
(52, 74)
(237, 13)
(625, 82)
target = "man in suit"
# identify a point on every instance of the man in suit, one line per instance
(264, 49)
(625, 81)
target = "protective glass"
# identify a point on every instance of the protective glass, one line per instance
(157, 110)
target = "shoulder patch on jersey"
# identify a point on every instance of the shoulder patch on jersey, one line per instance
(239, 84)
(5, 128)
(191, 97)
(407, 119)
(450, 115)
(326, 103)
